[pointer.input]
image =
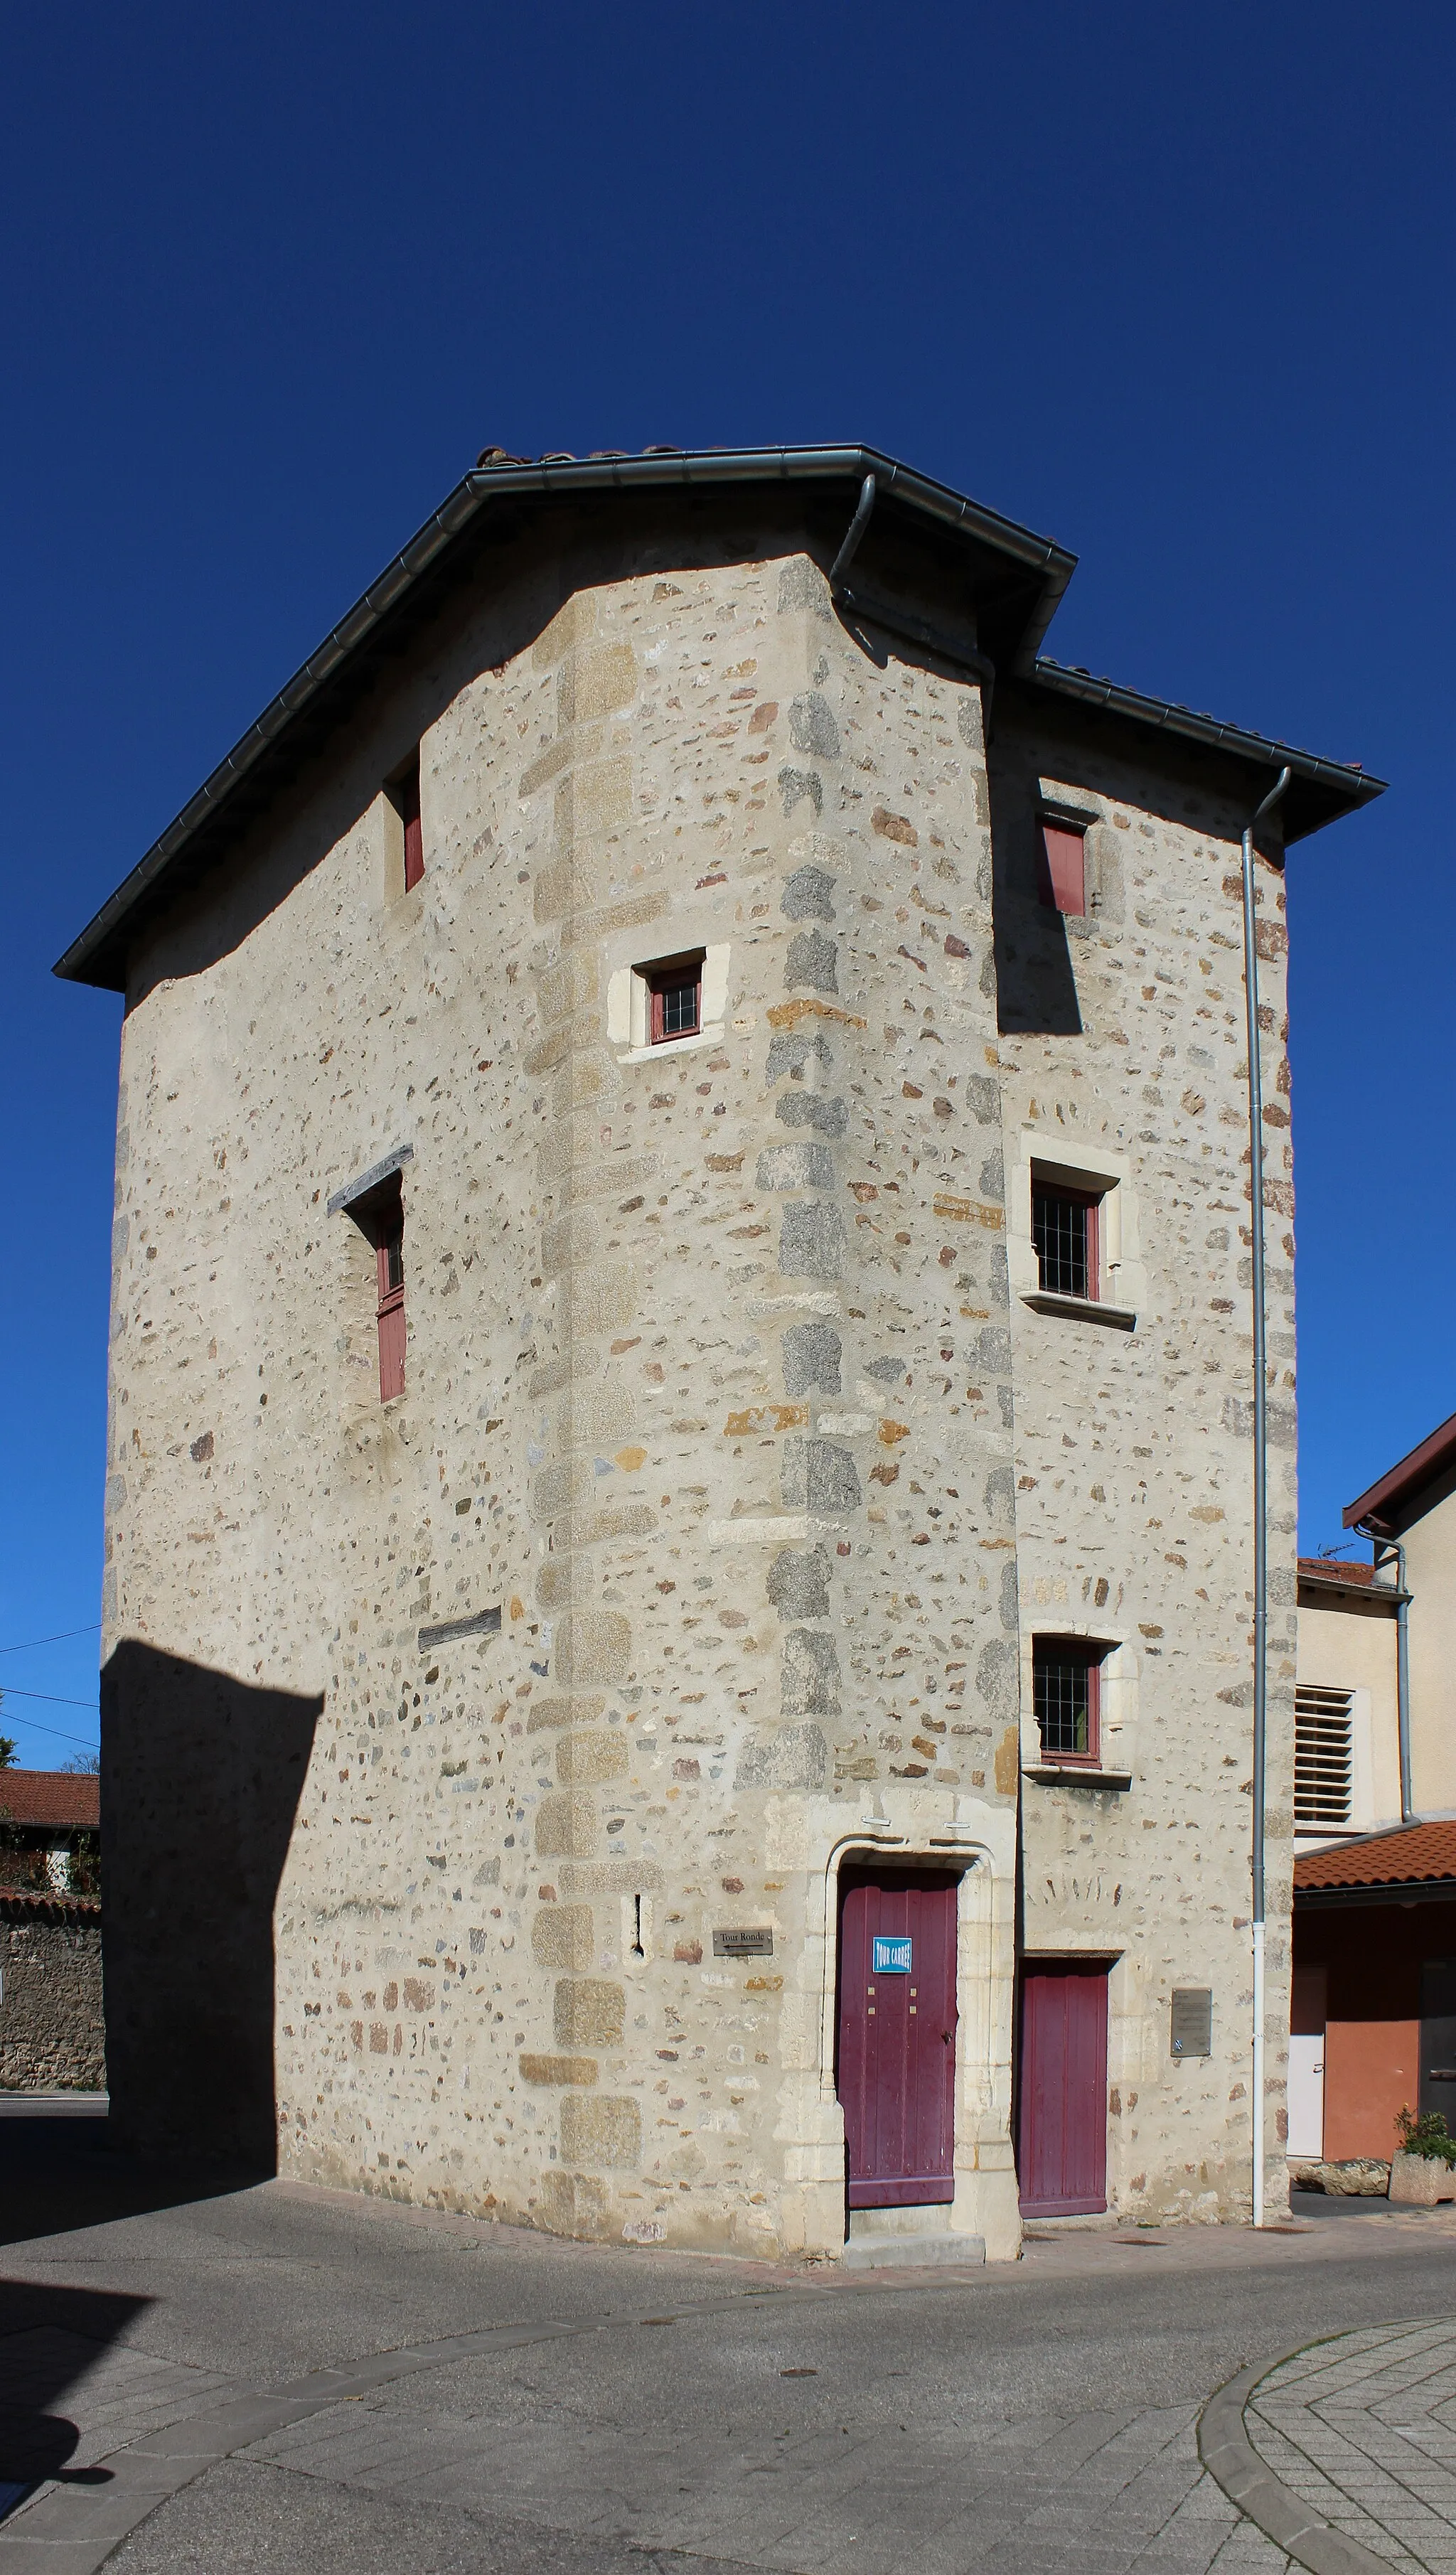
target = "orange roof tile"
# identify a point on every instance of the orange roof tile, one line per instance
(1407, 1855)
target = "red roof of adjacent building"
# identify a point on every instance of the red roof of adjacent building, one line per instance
(1330, 1568)
(1406, 1855)
(68, 1800)
(1382, 1500)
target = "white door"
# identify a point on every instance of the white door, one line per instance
(1306, 2094)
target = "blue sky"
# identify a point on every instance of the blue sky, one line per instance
(1172, 285)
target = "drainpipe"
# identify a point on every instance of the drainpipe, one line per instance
(1386, 1548)
(1261, 1471)
(1402, 1684)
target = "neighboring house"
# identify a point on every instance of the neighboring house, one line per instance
(1373, 2023)
(677, 1639)
(50, 1821)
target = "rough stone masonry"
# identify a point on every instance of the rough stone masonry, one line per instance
(739, 1459)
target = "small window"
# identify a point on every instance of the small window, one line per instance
(381, 1219)
(1061, 873)
(1066, 1692)
(1066, 1231)
(675, 1000)
(1324, 1761)
(404, 795)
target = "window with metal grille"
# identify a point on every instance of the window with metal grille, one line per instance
(674, 998)
(1067, 1691)
(1324, 1761)
(1064, 1230)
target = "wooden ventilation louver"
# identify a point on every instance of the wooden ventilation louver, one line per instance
(1324, 1761)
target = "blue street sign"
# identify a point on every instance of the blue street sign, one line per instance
(892, 1958)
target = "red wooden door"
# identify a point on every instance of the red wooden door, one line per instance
(1063, 2076)
(896, 2057)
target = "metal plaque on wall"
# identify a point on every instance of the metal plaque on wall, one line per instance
(743, 1944)
(1192, 2022)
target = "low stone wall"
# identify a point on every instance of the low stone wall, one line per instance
(52, 2032)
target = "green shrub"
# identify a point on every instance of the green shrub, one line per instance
(1428, 2136)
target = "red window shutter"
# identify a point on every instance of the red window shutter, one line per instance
(409, 795)
(390, 1253)
(1062, 875)
(656, 999)
(1095, 1249)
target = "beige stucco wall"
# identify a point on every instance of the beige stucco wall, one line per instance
(717, 1387)
(1430, 1573)
(1346, 1643)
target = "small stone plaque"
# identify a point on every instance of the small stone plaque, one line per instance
(1192, 2022)
(743, 1944)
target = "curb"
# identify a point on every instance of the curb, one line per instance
(1234, 2464)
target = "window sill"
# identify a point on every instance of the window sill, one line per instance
(1085, 1310)
(1076, 1774)
(710, 1035)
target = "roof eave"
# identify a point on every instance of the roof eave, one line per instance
(1374, 1508)
(94, 957)
(1330, 783)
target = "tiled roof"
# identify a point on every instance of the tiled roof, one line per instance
(1409, 1855)
(69, 1799)
(1329, 1568)
(23, 1904)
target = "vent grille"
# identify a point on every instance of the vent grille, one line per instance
(1323, 1761)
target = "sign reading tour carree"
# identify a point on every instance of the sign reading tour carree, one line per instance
(890, 1957)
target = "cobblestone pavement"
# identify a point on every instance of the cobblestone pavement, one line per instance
(1362, 2428)
(234, 2379)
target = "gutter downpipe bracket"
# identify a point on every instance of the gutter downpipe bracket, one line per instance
(1261, 1472)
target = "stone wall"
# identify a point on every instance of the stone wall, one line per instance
(1124, 1061)
(52, 2034)
(686, 1567)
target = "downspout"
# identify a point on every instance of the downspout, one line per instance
(1385, 1547)
(1262, 1472)
(1402, 1683)
(855, 530)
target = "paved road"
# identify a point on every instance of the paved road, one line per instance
(280, 2377)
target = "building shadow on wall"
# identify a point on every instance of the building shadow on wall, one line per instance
(201, 1778)
(1036, 985)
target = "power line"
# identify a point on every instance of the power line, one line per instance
(36, 1728)
(9, 1691)
(66, 1633)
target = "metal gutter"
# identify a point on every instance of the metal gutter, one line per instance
(1396, 1890)
(563, 479)
(1354, 786)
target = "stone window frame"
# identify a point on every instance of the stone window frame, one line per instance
(1118, 1703)
(1071, 809)
(401, 811)
(629, 1003)
(985, 1956)
(1090, 1171)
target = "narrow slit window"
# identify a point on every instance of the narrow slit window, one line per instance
(1066, 1232)
(1066, 1692)
(675, 1000)
(1061, 873)
(383, 1221)
(1324, 1761)
(405, 794)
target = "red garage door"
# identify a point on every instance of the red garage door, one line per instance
(1063, 2090)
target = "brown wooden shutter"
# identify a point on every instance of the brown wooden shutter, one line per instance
(390, 1255)
(409, 799)
(1062, 875)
